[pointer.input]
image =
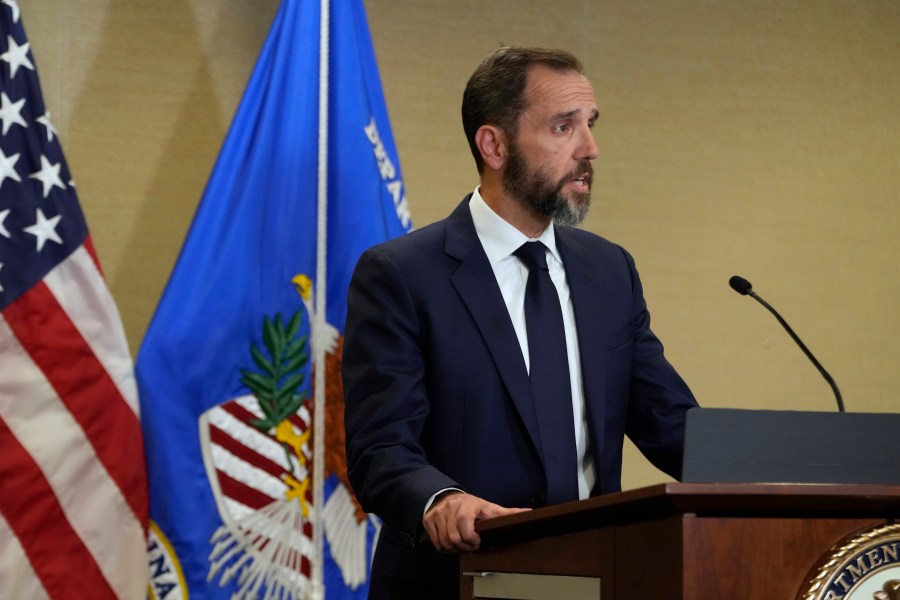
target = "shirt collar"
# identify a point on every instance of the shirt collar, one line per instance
(499, 238)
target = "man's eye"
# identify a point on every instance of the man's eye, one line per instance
(561, 128)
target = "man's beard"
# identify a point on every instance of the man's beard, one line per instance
(535, 190)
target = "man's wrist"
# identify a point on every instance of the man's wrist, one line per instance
(439, 495)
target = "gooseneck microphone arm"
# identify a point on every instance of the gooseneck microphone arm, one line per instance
(743, 287)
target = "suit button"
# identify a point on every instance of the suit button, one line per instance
(537, 500)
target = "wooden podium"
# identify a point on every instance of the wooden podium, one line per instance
(673, 541)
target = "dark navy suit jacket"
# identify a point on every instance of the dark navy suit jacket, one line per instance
(437, 391)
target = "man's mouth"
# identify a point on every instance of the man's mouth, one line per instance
(583, 181)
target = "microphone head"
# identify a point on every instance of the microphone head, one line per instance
(740, 285)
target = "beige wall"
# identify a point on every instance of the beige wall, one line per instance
(757, 137)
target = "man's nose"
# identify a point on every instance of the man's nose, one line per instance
(588, 149)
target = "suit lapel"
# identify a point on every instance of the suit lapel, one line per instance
(475, 282)
(584, 276)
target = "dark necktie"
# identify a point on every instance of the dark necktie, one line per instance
(549, 375)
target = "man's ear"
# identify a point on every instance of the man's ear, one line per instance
(491, 142)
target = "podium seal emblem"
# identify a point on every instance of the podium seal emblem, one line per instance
(864, 566)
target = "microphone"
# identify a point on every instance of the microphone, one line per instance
(743, 287)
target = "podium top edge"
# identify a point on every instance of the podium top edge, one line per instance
(698, 499)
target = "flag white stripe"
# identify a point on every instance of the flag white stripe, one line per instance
(17, 578)
(91, 501)
(81, 291)
(247, 474)
(237, 510)
(247, 435)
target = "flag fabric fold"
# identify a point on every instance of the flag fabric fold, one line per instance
(73, 490)
(227, 366)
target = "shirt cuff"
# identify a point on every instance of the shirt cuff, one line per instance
(439, 493)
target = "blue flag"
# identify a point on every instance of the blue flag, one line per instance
(228, 366)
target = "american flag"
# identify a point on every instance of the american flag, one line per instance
(73, 494)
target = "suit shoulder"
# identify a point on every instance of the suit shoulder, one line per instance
(426, 239)
(411, 255)
(432, 237)
(592, 243)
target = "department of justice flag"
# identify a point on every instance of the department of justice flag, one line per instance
(73, 495)
(227, 368)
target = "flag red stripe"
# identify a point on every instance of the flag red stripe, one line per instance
(56, 553)
(241, 492)
(239, 412)
(220, 438)
(91, 396)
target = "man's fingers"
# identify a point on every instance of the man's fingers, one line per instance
(493, 510)
(450, 522)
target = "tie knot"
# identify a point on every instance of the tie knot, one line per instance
(533, 254)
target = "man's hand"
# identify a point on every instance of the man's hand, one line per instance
(450, 522)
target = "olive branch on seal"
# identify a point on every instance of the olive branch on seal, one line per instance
(276, 385)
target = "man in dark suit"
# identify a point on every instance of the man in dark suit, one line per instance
(443, 417)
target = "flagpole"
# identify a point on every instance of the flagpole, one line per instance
(318, 586)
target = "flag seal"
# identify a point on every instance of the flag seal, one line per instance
(166, 576)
